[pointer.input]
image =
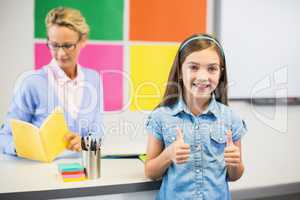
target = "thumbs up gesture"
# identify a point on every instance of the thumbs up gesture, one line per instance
(179, 151)
(232, 154)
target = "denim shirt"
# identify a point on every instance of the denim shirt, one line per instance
(204, 175)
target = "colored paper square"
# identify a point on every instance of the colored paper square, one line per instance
(150, 66)
(81, 175)
(166, 20)
(104, 17)
(70, 167)
(106, 59)
(70, 173)
(74, 179)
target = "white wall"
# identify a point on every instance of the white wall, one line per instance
(16, 45)
(270, 149)
(261, 42)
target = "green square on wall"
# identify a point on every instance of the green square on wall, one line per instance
(105, 17)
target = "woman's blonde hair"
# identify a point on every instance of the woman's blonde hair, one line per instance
(67, 17)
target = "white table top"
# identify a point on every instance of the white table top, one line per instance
(117, 176)
(25, 179)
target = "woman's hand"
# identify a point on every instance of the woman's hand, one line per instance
(179, 152)
(74, 141)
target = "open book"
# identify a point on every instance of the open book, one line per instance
(44, 143)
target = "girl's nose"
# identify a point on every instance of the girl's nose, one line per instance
(202, 76)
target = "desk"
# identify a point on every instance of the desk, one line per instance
(25, 179)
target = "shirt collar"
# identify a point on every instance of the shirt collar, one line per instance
(181, 106)
(60, 75)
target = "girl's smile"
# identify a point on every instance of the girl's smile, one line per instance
(201, 86)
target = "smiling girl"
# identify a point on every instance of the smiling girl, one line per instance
(195, 138)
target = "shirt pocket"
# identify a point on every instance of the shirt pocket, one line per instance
(217, 142)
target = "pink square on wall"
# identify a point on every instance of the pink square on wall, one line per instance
(106, 59)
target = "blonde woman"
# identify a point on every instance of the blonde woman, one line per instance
(63, 82)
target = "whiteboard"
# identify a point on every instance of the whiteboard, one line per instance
(260, 40)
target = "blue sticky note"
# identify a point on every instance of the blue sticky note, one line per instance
(70, 167)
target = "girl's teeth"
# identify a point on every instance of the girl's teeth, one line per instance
(202, 86)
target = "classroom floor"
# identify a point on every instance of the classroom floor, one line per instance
(285, 197)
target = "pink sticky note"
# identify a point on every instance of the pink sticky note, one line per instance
(106, 59)
(42, 55)
(73, 175)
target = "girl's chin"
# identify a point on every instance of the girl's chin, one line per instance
(201, 94)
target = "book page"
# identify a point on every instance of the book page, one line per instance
(27, 140)
(52, 133)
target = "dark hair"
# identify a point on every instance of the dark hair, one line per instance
(175, 84)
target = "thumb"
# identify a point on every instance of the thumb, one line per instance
(179, 135)
(229, 138)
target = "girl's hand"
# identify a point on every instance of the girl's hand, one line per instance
(74, 141)
(179, 151)
(232, 154)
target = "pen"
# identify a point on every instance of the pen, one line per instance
(95, 146)
(99, 144)
(82, 143)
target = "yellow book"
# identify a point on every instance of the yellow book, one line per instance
(44, 143)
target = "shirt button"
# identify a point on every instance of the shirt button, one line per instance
(221, 139)
(199, 148)
(197, 170)
(196, 127)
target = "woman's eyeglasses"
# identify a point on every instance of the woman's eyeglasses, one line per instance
(66, 47)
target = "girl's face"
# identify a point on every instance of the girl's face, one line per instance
(64, 45)
(200, 73)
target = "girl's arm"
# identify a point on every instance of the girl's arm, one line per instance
(159, 159)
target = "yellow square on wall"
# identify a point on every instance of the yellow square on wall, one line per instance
(150, 66)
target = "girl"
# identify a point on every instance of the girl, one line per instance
(195, 138)
(63, 82)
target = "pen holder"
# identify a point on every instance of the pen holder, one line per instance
(92, 163)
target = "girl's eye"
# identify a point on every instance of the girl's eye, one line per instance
(213, 69)
(194, 67)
